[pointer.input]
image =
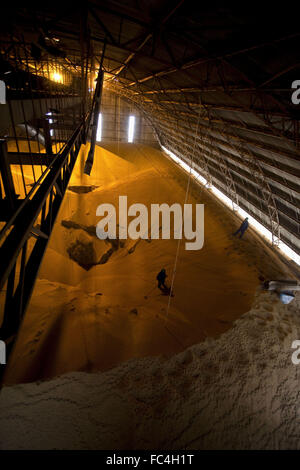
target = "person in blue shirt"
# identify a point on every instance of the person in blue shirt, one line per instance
(242, 229)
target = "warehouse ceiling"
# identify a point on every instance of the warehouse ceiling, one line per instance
(214, 81)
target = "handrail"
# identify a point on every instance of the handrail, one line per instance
(17, 237)
(64, 150)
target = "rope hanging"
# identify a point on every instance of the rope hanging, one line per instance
(185, 201)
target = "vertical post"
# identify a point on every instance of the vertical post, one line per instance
(83, 36)
(98, 92)
(7, 178)
(96, 109)
(47, 136)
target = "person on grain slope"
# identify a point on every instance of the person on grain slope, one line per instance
(161, 277)
(243, 227)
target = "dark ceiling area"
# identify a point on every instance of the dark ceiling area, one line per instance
(213, 80)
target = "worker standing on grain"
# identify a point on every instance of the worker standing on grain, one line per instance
(242, 229)
(161, 277)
